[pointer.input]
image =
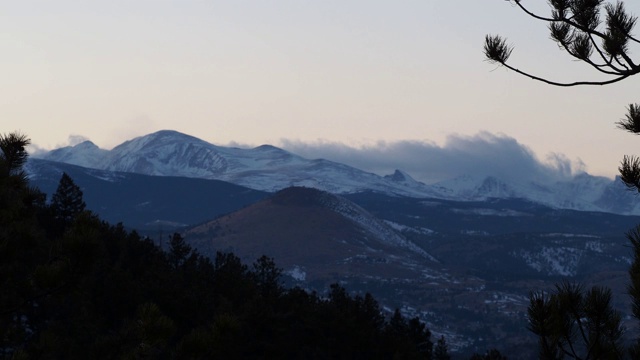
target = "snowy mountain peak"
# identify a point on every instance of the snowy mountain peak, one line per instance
(267, 147)
(86, 145)
(397, 176)
(404, 178)
(168, 153)
(491, 187)
(158, 139)
(85, 154)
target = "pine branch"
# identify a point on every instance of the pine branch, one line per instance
(586, 59)
(575, 32)
(631, 121)
(584, 29)
(608, 63)
(576, 83)
(619, 63)
(630, 172)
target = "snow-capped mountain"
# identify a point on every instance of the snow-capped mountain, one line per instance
(583, 192)
(268, 168)
(85, 154)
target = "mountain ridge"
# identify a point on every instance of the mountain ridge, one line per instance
(269, 168)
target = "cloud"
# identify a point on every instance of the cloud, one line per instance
(482, 154)
(36, 150)
(74, 140)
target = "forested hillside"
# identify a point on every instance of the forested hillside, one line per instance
(74, 286)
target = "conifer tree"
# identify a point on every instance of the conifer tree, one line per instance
(19, 236)
(178, 250)
(267, 276)
(577, 323)
(13, 154)
(441, 350)
(67, 201)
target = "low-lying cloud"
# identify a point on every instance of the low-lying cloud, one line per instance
(482, 155)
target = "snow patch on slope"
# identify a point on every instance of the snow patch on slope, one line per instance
(561, 261)
(373, 225)
(297, 273)
(401, 228)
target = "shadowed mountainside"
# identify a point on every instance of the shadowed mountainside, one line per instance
(312, 232)
(143, 202)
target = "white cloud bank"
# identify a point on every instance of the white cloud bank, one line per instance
(482, 155)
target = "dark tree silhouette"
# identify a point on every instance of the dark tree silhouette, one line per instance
(67, 201)
(441, 350)
(267, 276)
(178, 250)
(576, 323)
(493, 354)
(13, 154)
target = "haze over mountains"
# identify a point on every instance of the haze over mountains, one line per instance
(268, 168)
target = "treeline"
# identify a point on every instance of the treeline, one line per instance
(75, 287)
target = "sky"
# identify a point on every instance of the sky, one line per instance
(376, 84)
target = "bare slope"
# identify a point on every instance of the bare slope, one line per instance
(310, 231)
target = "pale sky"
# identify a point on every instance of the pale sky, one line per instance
(353, 73)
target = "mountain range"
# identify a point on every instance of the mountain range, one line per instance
(461, 254)
(268, 168)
